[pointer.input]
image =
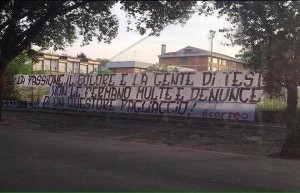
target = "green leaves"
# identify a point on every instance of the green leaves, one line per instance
(153, 16)
(58, 24)
(268, 31)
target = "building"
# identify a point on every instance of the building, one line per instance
(127, 66)
(65, 64)
(199, 59)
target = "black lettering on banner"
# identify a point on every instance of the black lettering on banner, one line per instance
(154, 107)
(43, 80)
(250, 79)
(188, 79)
(178, 95)
(156, 82)
(69, 80)
(100, 92)
(114, 92)
(10, 103)
(46, 101)
(253, 96)
(224, 115)
(50, 80)
(222, 97)
(20, 80)
(30, 79)
(134, 79)
(213, 96)
(80, 79)
(75, 91)
(235, 81)
(90, 104)
(58, 101)
(146, 92)
(174, 78)
(208, 78)
(59, 90)
(144, 79)
(241, 96)
(167, 93)
(202, 95)
(226, 77)
(122, 82)
(170, 94)
(193, 90)
(165, 80)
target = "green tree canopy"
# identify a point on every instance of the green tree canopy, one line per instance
(269, 33)
(82, 56)
(159, 67)
(58, 23)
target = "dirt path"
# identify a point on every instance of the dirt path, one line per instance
(236, 138)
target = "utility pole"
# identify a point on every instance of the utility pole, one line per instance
(211, 37)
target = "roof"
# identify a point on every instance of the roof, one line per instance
(192, 51)
(127, 64)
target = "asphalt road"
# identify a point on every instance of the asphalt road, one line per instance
(40, 161)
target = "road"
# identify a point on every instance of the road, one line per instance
(33, 160)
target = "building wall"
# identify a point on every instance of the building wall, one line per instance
(197, 63)
(201, 63)
(64, 64)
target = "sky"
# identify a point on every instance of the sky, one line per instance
(194, 33)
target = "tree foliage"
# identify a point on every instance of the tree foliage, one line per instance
(58, 24)
(82, 56)
(102, 61)
(269, 33)
(22, 64)
(160, 67)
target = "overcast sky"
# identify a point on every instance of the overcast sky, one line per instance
(175, 37)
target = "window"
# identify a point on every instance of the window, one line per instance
(215, 60)
(39, 65)
(96, 68)
(224, 62)
(70, 67)
(183, 60)
(83, 68)
(76, 67)
(46, 65)
(62, 67)
(213, 69)
(90, 68)
(54, 65)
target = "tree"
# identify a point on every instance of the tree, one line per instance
(269, 33)
(161, 68)
(58, 23)
(82, 56)
(103, 62)
(22, 64)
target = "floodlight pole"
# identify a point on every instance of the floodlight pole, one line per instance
(211, 37)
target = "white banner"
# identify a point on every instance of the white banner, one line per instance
(222, 95)
(175, 108)
(184, 79)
